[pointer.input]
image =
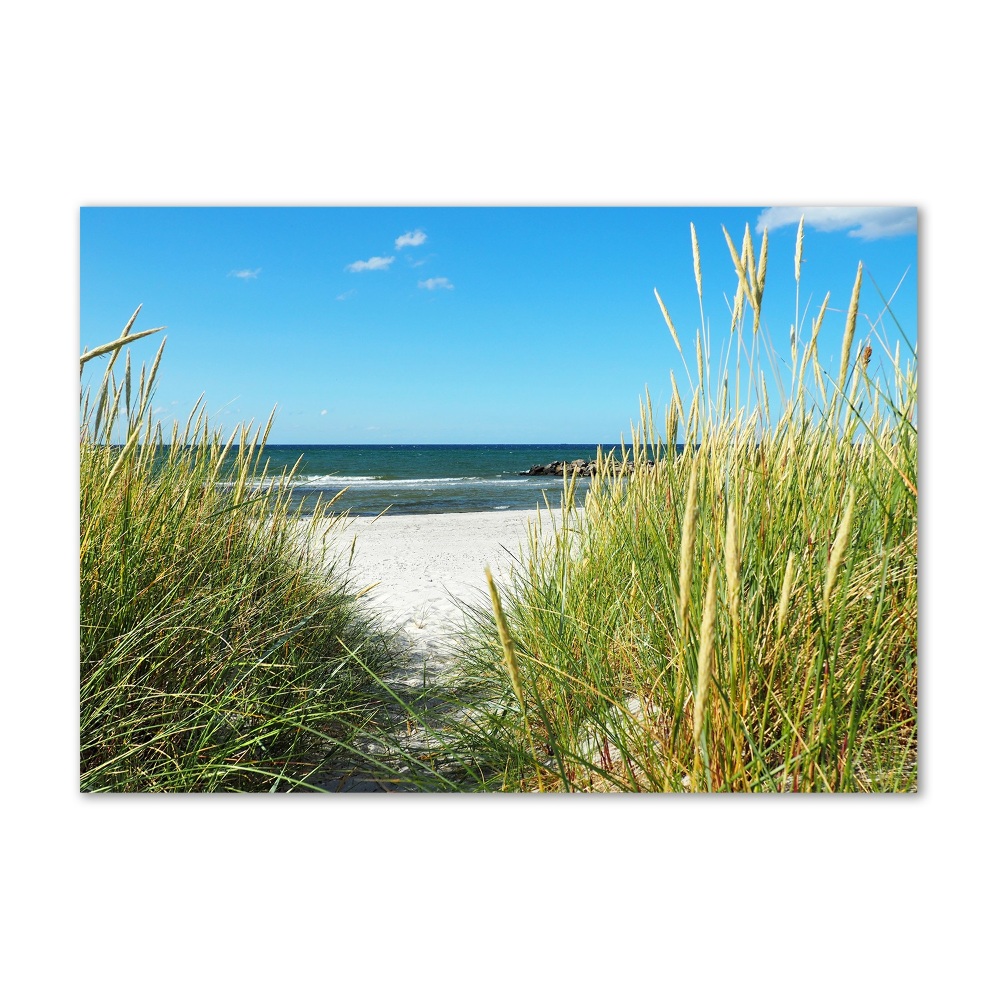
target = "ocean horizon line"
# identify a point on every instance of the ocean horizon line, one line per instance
(450, 444)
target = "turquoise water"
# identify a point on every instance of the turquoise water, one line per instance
(426, 479)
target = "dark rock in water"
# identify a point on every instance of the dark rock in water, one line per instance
(580, 467)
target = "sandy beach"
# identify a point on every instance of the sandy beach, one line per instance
(425, 565)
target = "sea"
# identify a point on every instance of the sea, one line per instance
(394, 479)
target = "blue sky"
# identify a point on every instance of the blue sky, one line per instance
(458, 325)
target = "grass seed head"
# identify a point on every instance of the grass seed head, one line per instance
(743, 290)
(749, 264)
(733, 557)
(852, 318)
(670, 322)
(706, 656)
(786, 592)
(839, 549)
(510, 657)
(762, 265)
(798, 250)
(672, 419)
(687, 541)
(697, 259)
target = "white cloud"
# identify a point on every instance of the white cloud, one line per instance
(344, 296)
(372, 264)
(413, 239)
(246, 274)
(322, 413)
(864, 223)
(431, 283)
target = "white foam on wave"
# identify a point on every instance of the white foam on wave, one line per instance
(317, 482)
(332, 480)
(373, 482)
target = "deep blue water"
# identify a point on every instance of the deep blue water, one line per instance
(426, 479)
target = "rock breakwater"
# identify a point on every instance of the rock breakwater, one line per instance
(579, 466)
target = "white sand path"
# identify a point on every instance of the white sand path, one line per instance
(424, 564)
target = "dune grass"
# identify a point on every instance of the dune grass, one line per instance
(738, 616)
(215, 653)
